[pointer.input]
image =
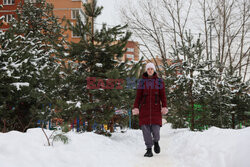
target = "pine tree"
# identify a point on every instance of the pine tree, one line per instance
(96, 55)
(189, 88)
(201, 96)
(232, 100)
(31, 72)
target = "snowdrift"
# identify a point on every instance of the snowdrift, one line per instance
(179, 148)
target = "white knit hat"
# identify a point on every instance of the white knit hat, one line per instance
(150, 65)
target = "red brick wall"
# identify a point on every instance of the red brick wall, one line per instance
(134, 45)
(8, 9)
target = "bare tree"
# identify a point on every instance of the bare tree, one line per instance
(231, 25)
(179, 21)
(157, 24)
(160, 24)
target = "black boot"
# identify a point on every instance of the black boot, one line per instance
(157, 148)
(148, 153)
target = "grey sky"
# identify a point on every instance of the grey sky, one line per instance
(110, 13)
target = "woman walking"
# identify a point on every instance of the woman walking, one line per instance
(150, 103)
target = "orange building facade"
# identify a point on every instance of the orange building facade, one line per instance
(8, 11)
(62, 8)
(68, 9)
(132, 52)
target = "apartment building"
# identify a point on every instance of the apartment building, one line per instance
(132, 52)
(62, 8)
(69, 9)
(8, 11)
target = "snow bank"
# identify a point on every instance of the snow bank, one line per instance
(179, 148)
(212, 148)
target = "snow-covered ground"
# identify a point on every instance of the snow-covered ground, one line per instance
(179, 148)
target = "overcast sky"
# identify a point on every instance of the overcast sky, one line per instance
(110, 12)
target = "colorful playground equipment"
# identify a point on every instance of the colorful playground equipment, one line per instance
(80, 125)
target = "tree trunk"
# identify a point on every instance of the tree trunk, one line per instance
(45, 134)
(4, 126)
(192, 102)
(233, 120)
(111, 125)
(89, 127)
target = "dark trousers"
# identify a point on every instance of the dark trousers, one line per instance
(148, 131)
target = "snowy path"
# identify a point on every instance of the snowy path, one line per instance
(158, 160)
(179, 148)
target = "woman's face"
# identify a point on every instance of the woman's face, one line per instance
(150, 71)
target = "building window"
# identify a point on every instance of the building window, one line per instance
(130, 49)
(30, 1)
(8, 18)
(8, 2)
(74, 34)
(130, 56)
(74, 13)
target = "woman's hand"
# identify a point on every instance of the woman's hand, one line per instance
(135, 111)
(164, 110)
